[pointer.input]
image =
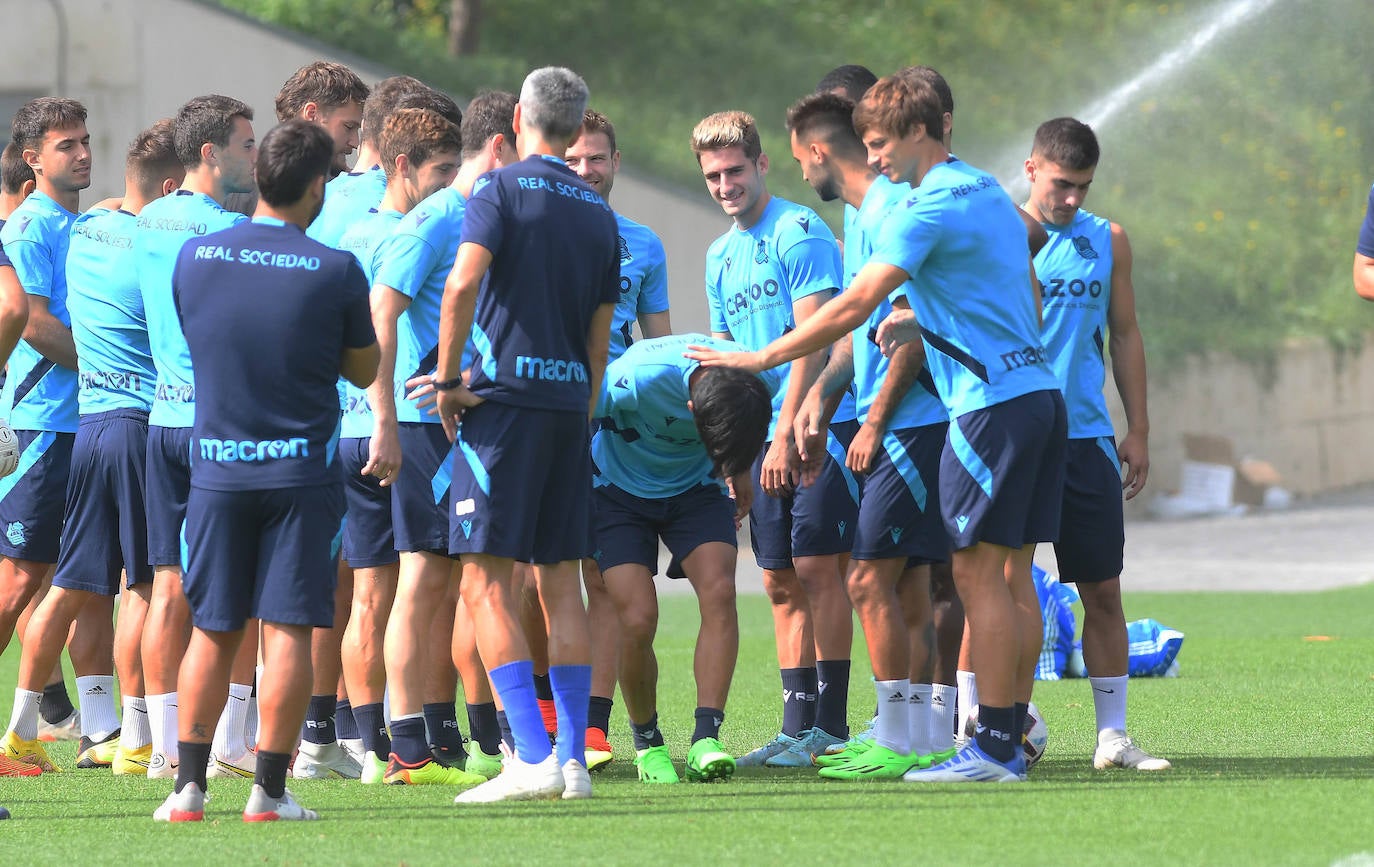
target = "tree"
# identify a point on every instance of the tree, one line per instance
(464, 27)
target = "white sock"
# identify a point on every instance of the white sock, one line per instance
(24, 715)
(942, 698)
(1109, 701)
(236, 711)
(134, 733)
(918, 718)
(968, 697)
(162, 724)
(95, 694)
(891, 728)
(250, 720)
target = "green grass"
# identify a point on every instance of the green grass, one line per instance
(1269, 732)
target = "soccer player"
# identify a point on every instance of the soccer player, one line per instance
(408, 286)
(262, 518)
(106, 530)
(16, 180)
(214, 141)
(957, 236)
(1364, 254)
(539, 248)
(39, 395)
(420, 152)
(331, 95)
(672, 457)
(643, 298)
(1085, 280)
(775, 267)
(897, 449)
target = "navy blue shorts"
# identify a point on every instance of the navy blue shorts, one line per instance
(106, 528)
(420, 493)
(169, 482)
(33, 498)
(522, 484)
(1092, 531)
(814, 521)
(1002, 472)
(265, 554)
(368, 539)
(899, 512)
(628, 527)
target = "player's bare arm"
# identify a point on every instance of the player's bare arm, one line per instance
(1128, 367)
(384, 448)
(1364, 276)
(46, 333)
(455, 324)
(904, 367)
(598, 350)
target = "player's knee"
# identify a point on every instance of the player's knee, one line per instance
(639, 623)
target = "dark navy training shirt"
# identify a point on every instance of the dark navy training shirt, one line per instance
(554, 243)
(267, 314)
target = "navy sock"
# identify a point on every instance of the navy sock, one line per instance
(271, 772)
(647, 735)
(485, 727)
(599, 713)
(543, 687)
(572, 690)
(798, 700)
(372, 728)
(55, 705)
(194, 758)
(344, 722)
(408, 740)
(319, 720)
(995, 737)
(441, 719)
(507, 736)
(514, 683)
(832, 697)
(708, 723)
(1021, 710)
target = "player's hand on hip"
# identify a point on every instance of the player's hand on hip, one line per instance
(1134, 452)
(452, 404)
(421, 391)
(898, 328)
(709, 357)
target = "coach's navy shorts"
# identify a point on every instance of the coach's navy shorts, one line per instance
(368, 539)
(1002, 472)
(33, 498)
(899, 512)
(628, 527)
(420, 493)
(522, 484)
(106, 528)
(169, 482)
(266, 554)
(1092, 532)
(814, 521)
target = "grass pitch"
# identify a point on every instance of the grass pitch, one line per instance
(1268, 728)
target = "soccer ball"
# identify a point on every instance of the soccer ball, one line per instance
(1034, 736)
(9, 450)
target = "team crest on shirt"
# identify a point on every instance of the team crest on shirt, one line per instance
(15, 533)
(624, 249)
(1084, 247)
(761, 252)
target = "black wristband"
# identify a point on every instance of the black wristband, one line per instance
(448, 384)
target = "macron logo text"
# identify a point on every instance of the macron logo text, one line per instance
(228, 451)
(550, 369)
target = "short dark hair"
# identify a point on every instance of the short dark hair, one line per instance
(419, 134)
(14, 172)
(898, 105)
(153, 157)
(433, 99)
(328, 85)
(828, 116)
(732, 409)
(491, 113)
(1067, 142)
(851, 78)
(383, 100)
(37, 116)
(937, 81)
(595, 121)
(206, 119)
(290, 157)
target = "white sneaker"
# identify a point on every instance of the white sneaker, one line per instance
(161, 769)
(325, 761)
(261, 807)
(577, 783)
(243, 767)
(188, 805)
(354, 747)
(68, 729)
(1116, 750)
(520, 781)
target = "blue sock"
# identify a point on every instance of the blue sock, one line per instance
(708, 720)
(832, 697)
(319, 720)
(344, 723)
(514, 682)
(995, 732)
(572, 692)
(798, 700)
(408, 739)
(372, 729)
